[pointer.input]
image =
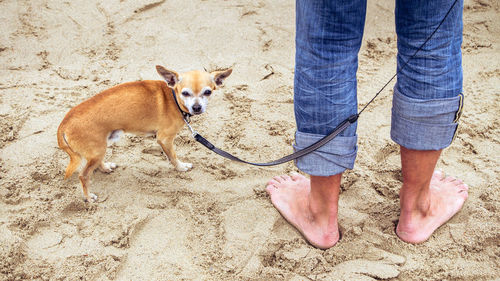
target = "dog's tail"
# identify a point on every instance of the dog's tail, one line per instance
(74, 158)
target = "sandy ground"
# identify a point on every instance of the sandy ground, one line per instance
(216, 222)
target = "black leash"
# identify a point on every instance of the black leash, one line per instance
(341, 127)
(282, 160)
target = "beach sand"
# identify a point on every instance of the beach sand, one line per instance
(216, 222)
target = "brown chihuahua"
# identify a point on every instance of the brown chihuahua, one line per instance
(142, 107)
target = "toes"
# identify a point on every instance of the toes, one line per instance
(297, 177)
(272, 182)
(270, 188)
(463, 187)
(438, 174)
(286, 178)
(458, 183)
(282, 178)
(461, 184)
(449, 179)
(464, 193)
(278, 179)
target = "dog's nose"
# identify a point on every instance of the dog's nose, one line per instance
(197, 108)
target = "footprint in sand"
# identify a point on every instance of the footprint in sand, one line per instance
(376, 264)
(361, 269)
(160, 251)
(244, 225)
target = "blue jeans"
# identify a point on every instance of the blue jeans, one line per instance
(427, 97)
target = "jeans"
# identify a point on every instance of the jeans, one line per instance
(427, 97)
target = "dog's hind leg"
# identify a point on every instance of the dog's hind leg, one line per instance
(74, 157)
(108, 167)
(74, 162)
(84, 177)
(94, 159)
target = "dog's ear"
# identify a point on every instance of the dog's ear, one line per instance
(220, 75)
(170, 76)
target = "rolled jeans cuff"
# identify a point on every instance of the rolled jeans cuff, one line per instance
(425, 124)
(333, 158)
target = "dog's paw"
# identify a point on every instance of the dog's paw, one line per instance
(92, 198)
(182, 167)
(107, 167)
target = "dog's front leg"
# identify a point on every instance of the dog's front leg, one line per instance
(167, 144)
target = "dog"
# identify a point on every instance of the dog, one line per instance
(142, 107)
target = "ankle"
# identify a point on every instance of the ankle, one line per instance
(415, 200)
(321, 211)
(323, 199)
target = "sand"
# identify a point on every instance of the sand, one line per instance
(216, 221)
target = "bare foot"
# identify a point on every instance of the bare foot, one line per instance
(291, 197)
(447, 196)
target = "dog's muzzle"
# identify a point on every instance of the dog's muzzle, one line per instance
(197, 109)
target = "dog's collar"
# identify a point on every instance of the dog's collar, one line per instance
(185, 115)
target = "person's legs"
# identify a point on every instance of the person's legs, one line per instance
(427, 104)
(328, 39)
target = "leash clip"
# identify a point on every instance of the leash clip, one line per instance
(193, 132)
(186, 117)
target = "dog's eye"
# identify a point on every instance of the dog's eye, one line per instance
(207, 93)
(185, 93)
